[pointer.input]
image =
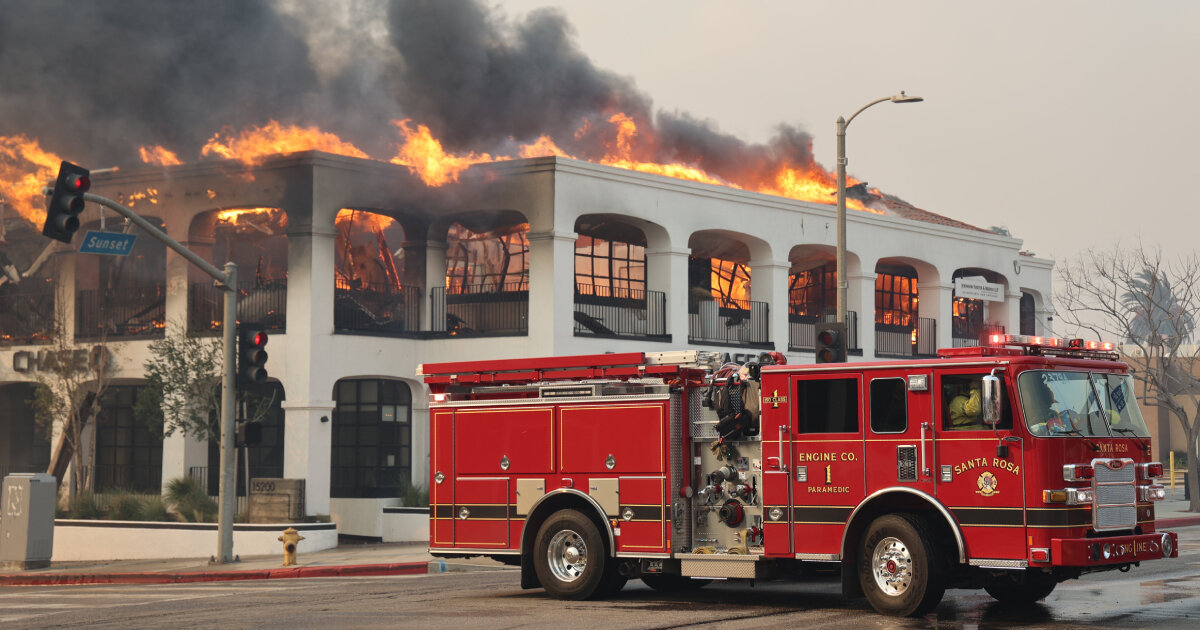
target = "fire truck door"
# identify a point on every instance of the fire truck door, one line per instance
(777, 488)
(983, 488)
(900, 438)
(827, 473)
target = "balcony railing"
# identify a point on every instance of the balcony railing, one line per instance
(27, 317)
(976, 337)
(261, 303)
(128, 312)
(602, 311)
(903, 342)
(377, 308)
(736, 323)
(802, 330)
(481, 311)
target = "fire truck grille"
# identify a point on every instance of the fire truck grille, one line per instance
(1116, 497)
(906, 463)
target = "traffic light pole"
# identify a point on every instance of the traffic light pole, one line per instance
(227, 282)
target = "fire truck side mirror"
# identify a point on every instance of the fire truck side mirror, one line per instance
(991, 395)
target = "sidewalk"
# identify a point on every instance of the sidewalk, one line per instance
(345, 560)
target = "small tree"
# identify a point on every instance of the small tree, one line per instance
(1149, 304)
(67, 397)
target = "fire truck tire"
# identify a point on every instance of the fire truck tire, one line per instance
(900, 566)
(570, 558)
(1013, 590)
(670, 583)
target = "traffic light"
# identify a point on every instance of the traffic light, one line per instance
(62, 212)
(252, 355)
(831, 343)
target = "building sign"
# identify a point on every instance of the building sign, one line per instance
(978, 288)
(25, 361)
(112, 243)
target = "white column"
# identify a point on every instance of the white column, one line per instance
(307, 449)
(551, 288)
(667, 271)
(181, 452)
(937, 301)
(1008, 312)
(860, 298)
(768, 283)
(435, 276)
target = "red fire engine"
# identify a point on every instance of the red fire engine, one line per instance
(1008, 467)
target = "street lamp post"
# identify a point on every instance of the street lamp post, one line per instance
(842, 283)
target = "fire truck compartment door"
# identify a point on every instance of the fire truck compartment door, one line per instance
(528, 493)
(613, 439)
(497, 441)
(481, 512)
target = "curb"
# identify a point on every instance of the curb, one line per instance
(1179, 521)
(65, 579)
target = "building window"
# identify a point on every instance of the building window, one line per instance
(372, 439)
(128, 453)
(730, 283)
(609, 268)
(496, 261)
(896, 298)
(1028, 315)
(266, 457)
(811, 292)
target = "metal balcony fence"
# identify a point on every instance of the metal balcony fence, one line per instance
(802, 330)
(377, 308)
(134, 478)
(480, 310)
(904, 342)
(27, 317)
(975, 335)
(603, 311)
(137, 312)
(736, 323)
(261, 303)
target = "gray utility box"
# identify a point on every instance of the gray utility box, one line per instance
(276, 500)
(27, 531)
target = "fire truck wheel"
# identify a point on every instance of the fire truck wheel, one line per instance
(900, 567)
(1030, 588)
(667, 583)
(569, 557)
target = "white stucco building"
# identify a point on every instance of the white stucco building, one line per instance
(362, 273)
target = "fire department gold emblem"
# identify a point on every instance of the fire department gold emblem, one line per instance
(987, 484)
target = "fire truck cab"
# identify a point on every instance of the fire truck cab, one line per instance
(1009, 467)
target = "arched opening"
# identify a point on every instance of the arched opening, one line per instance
(122, 296)
(974, 290)
(128, 453)
(897, 329)
(256, 240)
(719, 288)
(372, 439)
(370, 294)
(1028, 314)
(611, 298)
(265, 457)
(487, 277)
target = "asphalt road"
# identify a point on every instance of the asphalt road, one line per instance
(1162, 596)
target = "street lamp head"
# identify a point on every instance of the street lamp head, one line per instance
(904, 98)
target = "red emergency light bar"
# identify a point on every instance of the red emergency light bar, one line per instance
(1035, 341)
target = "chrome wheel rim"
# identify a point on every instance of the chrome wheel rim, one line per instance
(891, 565)
(567, 555)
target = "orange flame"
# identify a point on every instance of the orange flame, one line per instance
(424, 156)
(241, 217)
(253, 145)
(159, 156)
(24, 168)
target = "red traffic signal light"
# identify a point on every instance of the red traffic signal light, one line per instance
(831, 343)
(62, 211)
(252, 356)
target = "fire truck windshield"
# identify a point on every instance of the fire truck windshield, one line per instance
(1059, 403)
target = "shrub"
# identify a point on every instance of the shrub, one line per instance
(124, 506)
(190, 500)
(152, 509)
(416, 496)
(85, 506)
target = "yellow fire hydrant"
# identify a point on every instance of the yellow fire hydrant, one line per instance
(290, 539)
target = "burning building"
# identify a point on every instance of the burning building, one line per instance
(472, 203)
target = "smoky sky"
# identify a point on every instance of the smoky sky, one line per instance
(93, 81)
